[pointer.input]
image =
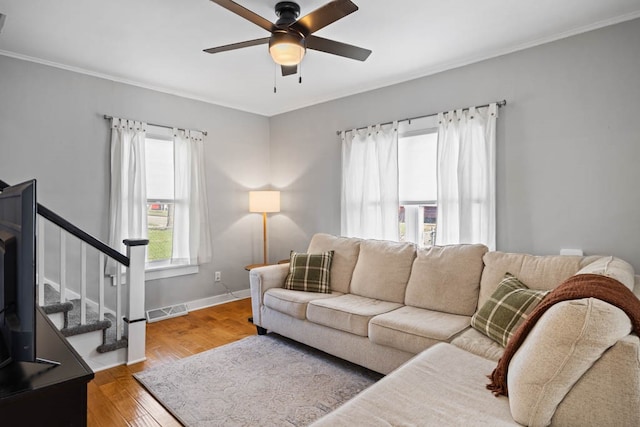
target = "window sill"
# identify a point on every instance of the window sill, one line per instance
(166, 271)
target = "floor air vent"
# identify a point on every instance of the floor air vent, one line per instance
(158, 314)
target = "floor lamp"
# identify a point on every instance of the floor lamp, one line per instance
(264, 202)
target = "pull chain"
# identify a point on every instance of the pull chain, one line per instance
(300, 73)
(275, 71)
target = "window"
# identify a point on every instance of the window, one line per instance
(160, 200)
(170, 219)
(158, 190)
(399, 181)
(417, 186)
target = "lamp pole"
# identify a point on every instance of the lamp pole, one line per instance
(264, 236)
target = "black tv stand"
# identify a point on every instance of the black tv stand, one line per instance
(46, 392)
(53, 363)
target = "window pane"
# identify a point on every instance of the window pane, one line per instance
(430, 219)
(160, 228)
(417, 159)
(159, 163)
(418, 224)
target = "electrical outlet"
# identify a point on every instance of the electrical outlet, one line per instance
(218, 276)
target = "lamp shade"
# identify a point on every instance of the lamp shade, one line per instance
(264, 201)
(286, 49)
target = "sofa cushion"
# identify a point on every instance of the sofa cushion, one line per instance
(538, 272)
(345, 254)
(506, 309)
(414, 329)
(442, 386)
(309, 272)
(350, 313)
(446, 278)
(383, 269)
(293, 303)
(479, 344)
(565, 342)
(613, 267)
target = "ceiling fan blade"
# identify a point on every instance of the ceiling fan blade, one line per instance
(288, 70)
(246, 14)
(240, 45)
(324, 16)
(337, 48)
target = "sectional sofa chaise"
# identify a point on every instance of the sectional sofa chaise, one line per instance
(407, 312)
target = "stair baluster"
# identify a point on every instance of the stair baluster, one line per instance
(118, 305)
(75, 286)
(40, 261)
(102, 261)
(63, 265)
(83, 283)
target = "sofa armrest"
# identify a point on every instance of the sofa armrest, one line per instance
(262, 279)
(609, 392)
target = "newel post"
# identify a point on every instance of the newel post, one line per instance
(136, 320)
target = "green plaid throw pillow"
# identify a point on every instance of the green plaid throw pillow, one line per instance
(309, 272)
(506, 309)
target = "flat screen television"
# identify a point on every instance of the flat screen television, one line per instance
(18, 208)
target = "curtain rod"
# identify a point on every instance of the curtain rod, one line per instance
(498, 103)
(204, 132)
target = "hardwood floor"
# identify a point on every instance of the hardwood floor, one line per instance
(115, 398)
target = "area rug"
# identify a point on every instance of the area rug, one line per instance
(263, 380)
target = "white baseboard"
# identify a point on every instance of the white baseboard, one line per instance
(191, 305)
(86, 345)
(218, 299)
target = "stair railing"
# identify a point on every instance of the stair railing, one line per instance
(133, 262)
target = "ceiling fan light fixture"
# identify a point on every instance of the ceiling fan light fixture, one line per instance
(286, 48)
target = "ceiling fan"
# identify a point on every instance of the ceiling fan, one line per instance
(291, 37)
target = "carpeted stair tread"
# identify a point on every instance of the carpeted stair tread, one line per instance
(73, 326)
(97, 325)
(52, 302)
(59, 307)
(113, 345)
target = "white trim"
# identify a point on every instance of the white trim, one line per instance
(86, 344)
(198, 304)
(382, 83)
(332, 96)
(112, 78)
(169, 271)
(218, 299)
(105, 367)
(133, 362)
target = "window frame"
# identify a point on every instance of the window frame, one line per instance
(414, 209)
(164, 268)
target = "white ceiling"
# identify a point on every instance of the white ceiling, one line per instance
(158, 43)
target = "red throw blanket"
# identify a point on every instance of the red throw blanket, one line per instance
(576, 287)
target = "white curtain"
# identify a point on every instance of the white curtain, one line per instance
(128, 192)
(369, 207)
(466, 176)
(191, 233)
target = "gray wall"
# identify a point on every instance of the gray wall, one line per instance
(568, 148)
(568, 145)
(52, 128)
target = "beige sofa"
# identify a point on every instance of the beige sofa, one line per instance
(406, 312)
